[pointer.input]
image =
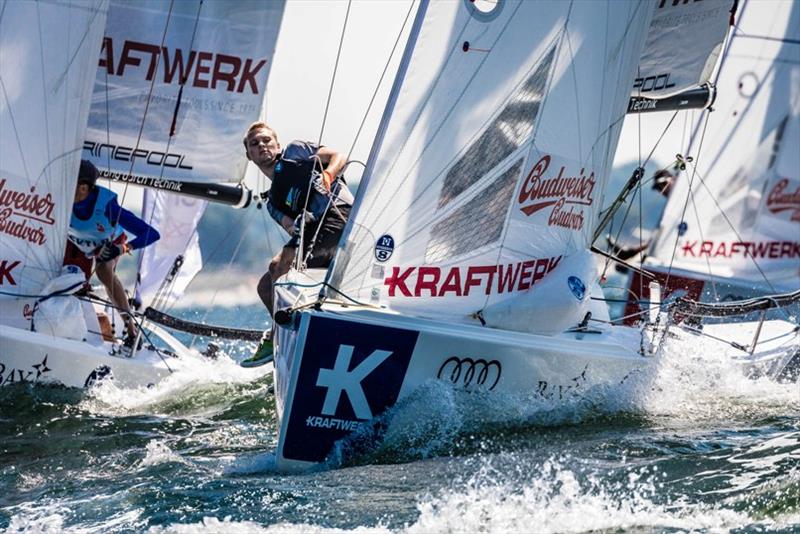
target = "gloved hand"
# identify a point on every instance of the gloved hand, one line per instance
(304, 219)
(322, 180)
(110, 250)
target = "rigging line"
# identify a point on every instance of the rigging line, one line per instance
(228, 267)
(733, 228)
(77, 49)
(44, 90)
(378, 86)
(688, 196)
(335, 69)
(147, 104)
(183, 79)
(660, 138)
(702, 238)
(454, 50)
(480, 130)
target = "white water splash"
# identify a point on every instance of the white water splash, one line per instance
(158, 452)
(694, 380)
(553, 499)
(189, 385)
(556, 501)
(49, 517)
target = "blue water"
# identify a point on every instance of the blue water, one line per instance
(696, 448)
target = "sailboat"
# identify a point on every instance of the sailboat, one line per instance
(467, 255)
(172, 80)
(731, 227)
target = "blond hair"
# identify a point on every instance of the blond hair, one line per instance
(258, 125)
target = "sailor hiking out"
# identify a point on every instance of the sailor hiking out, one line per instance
(308, 198)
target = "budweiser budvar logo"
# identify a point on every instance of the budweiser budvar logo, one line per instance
(23, 214)
(782, 198)
(566, 194)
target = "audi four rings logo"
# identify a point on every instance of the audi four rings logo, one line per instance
(466, 371)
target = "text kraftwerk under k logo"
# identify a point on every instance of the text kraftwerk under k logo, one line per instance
(339, 379)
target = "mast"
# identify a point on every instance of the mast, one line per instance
(342, 250)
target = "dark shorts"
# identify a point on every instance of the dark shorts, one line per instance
(75, 256)
(327, 239)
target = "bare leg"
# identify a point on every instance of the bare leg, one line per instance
(116, 291)
(279, 266)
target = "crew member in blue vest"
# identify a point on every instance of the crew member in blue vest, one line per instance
(307, 194)
(96, 238)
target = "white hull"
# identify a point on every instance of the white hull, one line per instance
(32, 357)
(340, 366)
(324, 393)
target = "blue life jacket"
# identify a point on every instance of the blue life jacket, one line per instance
(91, 233)
(290, 185)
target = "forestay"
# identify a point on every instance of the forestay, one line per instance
(683, 44)
(46, 72)
(495, 151)
(176, 85)
(742, 216)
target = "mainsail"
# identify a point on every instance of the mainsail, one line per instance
(46, 72)
(176, 85)
(176, 82)
(492, 168)
(683, 44)
(735, 214)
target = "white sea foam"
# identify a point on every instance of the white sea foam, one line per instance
(694, 380)
(49, 516)
(556, 499)
(183, 393)
(158, 452)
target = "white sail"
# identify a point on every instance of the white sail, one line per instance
(48, 54)
(683, 44)
(742, 218)
(142, 125)
(176, 217)
(491, 170)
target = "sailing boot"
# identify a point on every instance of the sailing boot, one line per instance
(132, 341)
(263, 353)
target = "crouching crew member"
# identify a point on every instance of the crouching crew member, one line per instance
(306, 193)
(96, 239)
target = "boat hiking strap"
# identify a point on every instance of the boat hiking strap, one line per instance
(202, 329)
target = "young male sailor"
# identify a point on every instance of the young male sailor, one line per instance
(96, 235)
(307, 195)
